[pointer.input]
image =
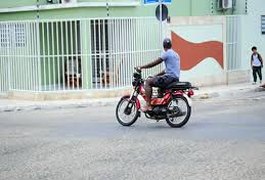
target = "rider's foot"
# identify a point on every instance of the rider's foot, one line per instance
(146, 108)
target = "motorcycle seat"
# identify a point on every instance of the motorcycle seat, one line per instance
(179, 86)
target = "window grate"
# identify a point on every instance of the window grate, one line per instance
(20, 35)
(263, 24)
(12, 35)
(4, 35)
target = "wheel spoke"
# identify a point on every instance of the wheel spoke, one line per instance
(126, 118)
(179, 111)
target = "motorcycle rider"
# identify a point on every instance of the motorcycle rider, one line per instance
(171, 73)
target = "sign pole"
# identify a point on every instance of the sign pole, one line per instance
(161, 21)
(107, 7)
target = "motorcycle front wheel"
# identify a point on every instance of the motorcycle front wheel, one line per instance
(179, 112)
(126, 112)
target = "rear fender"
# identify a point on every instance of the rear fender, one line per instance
(181, 93)
(188, 99)
(138, 104)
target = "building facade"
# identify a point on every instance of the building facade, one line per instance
(80, 45)
(56, 9)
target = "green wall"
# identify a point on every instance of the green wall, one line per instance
(16, 3)
(176, 8)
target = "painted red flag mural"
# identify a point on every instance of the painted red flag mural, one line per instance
(192, 54)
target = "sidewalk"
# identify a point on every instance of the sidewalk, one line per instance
(7, 105)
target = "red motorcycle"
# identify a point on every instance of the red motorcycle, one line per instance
(171, 103)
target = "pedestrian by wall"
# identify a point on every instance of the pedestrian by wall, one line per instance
(256, 65)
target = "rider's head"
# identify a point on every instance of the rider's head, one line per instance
(167, 44)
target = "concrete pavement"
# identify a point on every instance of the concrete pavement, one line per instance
(8, 105)
(223, 140)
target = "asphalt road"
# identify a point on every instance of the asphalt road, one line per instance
(224, 139)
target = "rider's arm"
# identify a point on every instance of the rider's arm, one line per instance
(152, 64)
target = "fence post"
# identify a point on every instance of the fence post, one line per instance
(8, 60)
(38, 53)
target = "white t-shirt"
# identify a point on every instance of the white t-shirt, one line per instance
(256, 62)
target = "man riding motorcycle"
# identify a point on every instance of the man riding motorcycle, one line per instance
(171, 73)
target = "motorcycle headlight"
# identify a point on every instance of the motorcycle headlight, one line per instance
(134, 83)
(137, 75)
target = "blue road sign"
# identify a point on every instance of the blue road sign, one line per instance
(156, 1)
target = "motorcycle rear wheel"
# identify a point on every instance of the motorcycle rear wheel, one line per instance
(125, 116)
(181, 112)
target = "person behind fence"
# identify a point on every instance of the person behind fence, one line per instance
(171, 73)
(256, 65)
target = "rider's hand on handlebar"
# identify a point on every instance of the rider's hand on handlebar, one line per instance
(138, 68)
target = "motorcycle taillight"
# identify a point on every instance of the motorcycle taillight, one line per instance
(190, 93)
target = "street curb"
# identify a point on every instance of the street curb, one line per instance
(112, 101)
(50, 105)
(65, 105)
(224, 92)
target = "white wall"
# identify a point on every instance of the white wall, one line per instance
(251, 32)
(197, 30)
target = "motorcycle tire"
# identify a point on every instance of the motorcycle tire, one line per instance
(171, 120)
(134, 110)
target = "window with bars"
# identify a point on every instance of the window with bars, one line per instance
(263, 24)
(4, 35)
(12, 35)
(20, 35)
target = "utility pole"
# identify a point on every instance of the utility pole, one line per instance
(38, 43)
(161, 21)
(38, 10)
(107, 7)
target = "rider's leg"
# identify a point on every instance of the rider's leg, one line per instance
(148, 93)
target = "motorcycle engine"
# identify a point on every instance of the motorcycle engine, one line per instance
(160, 110)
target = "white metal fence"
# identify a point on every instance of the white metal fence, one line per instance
(122, 45)
(233, 44)
(80, 54)
(19, 55)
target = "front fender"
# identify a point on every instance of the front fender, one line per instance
(138, 104)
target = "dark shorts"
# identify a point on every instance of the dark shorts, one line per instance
(163, 81)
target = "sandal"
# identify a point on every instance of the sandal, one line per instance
(146, 108)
